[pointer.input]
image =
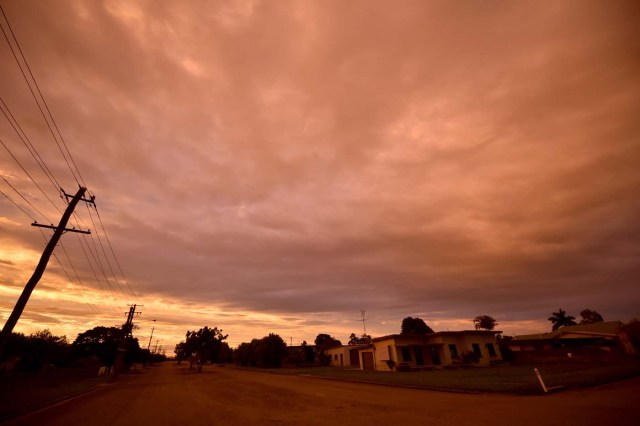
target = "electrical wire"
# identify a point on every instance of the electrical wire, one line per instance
(78, 181)
(18, 206)
(27, 201)
(27, 143)
(113, 252)
(29, 175)
(94, 271)
(64, 250)
(103, 251)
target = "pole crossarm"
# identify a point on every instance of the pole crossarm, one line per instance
(91, 199)
(55, 228)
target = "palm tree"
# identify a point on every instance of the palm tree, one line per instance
(561, 319)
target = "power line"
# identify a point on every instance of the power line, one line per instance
(64, 250)
(28, 174)
(27, 201)
(96, 256)
(27, 143)
(93, 308)
(113, 252)
(98, 262)
(104, 252)
(18, 206)
(35, 82)
(94, 272)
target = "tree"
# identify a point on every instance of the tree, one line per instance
(485, 322)
(204, 345)
(325, 341)
(414, 326)
(102, 342)
(270, 351)
(39, 350)
(355, 340)
(590, 317)
(267, 352)
(309, 356)
(561, 319)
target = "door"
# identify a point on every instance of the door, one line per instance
(435, 356)
(367, 360)
(419, 358)
(353, 358)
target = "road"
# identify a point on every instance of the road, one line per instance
(173, 395)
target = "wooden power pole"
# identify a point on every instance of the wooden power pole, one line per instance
(127, 328)
(42, 264)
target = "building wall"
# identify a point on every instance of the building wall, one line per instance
(465, 343)
(339, 357)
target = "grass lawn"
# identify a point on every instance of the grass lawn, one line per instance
(510, 379)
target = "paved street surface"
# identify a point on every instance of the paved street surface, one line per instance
(173, 395)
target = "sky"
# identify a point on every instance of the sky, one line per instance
(280, 166)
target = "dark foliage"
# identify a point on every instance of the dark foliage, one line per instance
(204, 345)
(414, 326)
(39, 350)
(590, 317)
(561, 319)
(484, 322)
(355, 340)
(267, 352)
(102, 342)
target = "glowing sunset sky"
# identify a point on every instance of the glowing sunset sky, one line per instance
(277, 166)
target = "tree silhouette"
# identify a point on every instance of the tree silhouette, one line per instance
(103, 342)
(205, 345)
(561, 319)
(355, 340)
(590, 317)
(267, 352)
(414, 326)
(485, 322)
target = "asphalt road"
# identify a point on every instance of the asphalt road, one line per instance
(173, 395)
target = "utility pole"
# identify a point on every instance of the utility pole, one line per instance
(42, 264)
(149, 345)
(126, 334)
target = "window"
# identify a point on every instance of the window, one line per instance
(390, 350)
(476, 349)
(406, 354)
(491, 349)
(335, 357)
(453, 350)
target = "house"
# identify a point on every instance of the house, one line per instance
(397, 351)
(344, 355)
(604, 334)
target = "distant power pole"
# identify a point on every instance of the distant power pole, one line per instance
(42, 264)
(127, 327)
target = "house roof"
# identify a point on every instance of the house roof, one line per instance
(430, 335)
(602, 329)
